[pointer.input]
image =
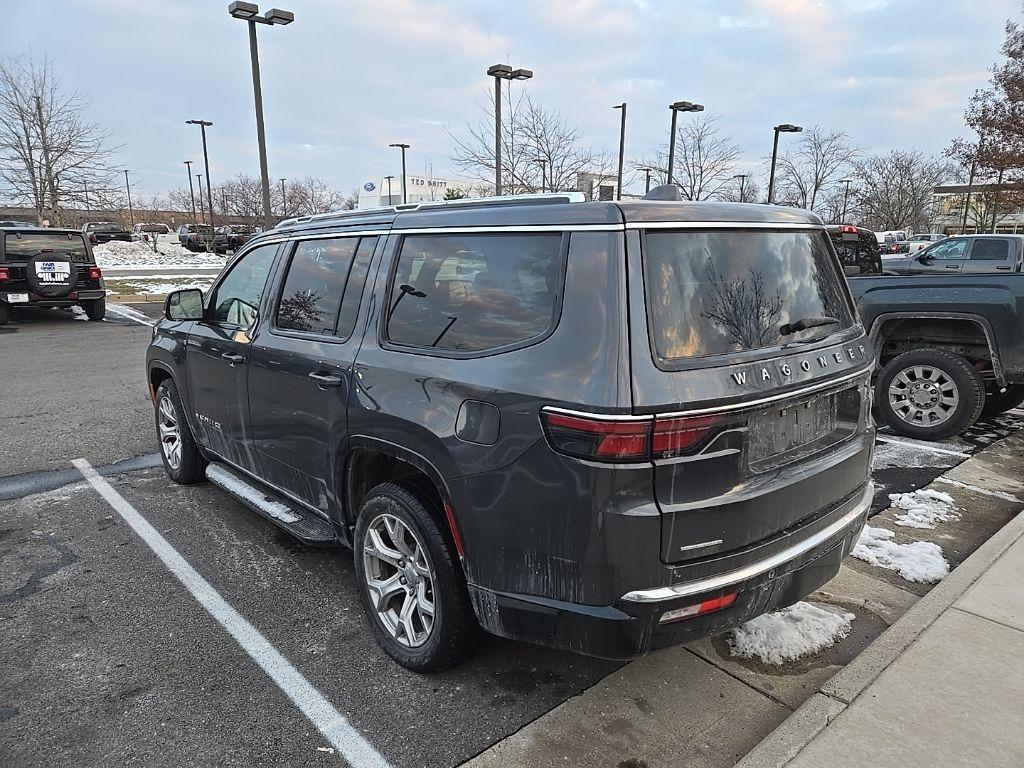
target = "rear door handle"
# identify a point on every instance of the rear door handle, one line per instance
(326, 379)
(232, 358)
(1003, 266)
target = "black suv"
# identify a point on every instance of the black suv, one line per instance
(42, 267)
(605, 427)
(99, 232)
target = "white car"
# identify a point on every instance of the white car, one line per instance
(916, 242)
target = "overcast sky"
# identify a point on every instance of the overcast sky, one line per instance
(351, 76)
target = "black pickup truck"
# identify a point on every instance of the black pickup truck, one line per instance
(948, 346)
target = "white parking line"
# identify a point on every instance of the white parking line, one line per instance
(922, 445)
(977, 489)
(349, 743)
(129, 313)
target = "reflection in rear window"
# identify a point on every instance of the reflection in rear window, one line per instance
(30, 244)
(715, 292)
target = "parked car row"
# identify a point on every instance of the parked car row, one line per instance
(200, 238)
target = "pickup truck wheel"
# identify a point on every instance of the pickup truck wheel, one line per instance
(95, 310)
(1000, 402)
(178, 450)
(929, 394)
(411, 586)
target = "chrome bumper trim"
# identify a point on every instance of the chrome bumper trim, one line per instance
(761, 566)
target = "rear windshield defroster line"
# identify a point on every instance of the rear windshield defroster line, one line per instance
(720, 291)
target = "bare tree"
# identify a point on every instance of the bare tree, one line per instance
(745, 190)
(310, 195)
(705, 161)
(895, 190)
(538, 148)
(51, 155)
(817, 161)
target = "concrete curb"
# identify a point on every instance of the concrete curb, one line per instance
(836, 694)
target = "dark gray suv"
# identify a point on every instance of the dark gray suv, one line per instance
(604, 427)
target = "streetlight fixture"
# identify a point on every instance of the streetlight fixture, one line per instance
(284, 201)
(388, 179)
(783, 128)
(622, 149)
(203, 125)
(402, 147)
(249, 13)
(502, 72)
(647, 180)
(676, 108)
(846, 195)
(543, 163)
(191, 191)
(743, 178)
(127, 186)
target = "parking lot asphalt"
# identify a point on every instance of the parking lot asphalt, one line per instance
(110, 661)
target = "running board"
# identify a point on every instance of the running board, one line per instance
(300, 523)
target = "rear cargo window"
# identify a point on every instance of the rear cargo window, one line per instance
(24, 245)
(470, 293)
(719, 292)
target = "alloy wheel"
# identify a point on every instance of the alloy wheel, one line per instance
(923, 395)
(399, 579)
(170, 432)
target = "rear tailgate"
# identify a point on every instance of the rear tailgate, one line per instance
(761, 423)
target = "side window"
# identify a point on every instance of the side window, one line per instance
(354, 287)
(237, 298)
(471, 293)
(314, 284)
(986, 249)
(952, 249)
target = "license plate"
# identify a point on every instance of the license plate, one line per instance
(17, 298)
(780, 430)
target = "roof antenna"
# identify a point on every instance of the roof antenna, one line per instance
(669, 192)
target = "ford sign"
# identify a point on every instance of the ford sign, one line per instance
(369, 186)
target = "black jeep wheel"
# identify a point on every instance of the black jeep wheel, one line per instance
(1000, 402)
(410, 582)
(5, 313)
(929, 394)
(178, 450)
(95, 310)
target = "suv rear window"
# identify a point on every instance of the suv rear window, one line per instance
(716, 292)
(25, 245)
(469, 293)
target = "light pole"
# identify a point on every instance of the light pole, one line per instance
(676, 108)
(202, 213)
(203, 125)
(846, 196)
(127, 186)
(388, 179)
(783, 128)
(543, 173)
(284, 201)
(647, 179)
(402, 147)
(743, 179)
(191, 191)
(249, 12)
(502, 72)
(622, 149)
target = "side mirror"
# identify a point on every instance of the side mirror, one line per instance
(184, 305)
(924, 257)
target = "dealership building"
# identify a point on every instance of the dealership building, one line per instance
(388, 191)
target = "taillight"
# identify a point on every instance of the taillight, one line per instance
(698, 609)
(847, 229)
(599, 439)
(95, 273)
(673, 437)
(4, 274)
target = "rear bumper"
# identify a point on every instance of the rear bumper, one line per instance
(631, 626)
(72, 299)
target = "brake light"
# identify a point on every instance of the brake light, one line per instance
(4, 274)
(596, 438)
(699, 609)
(847, 229)
(673, 437)
(95, 273)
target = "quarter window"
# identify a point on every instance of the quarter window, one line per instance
(469, 293)
(236, 300)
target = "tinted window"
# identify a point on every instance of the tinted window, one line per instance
(354, 286)
(715, 292)
(474, 292)
(990, 250)
(315, 282)
(24, 245)
(237, 298)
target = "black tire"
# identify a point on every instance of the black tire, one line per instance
(95, 310)
(191, 467)
(454, 633)
(5, 313)
(1000, 402)
(958, 375)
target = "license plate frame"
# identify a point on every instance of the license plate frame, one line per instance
(776, 433)
(17, 298)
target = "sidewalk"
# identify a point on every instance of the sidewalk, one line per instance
(943, 686)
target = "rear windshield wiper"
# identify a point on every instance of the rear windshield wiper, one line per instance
(788, 329)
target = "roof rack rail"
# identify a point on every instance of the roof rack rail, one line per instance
(545, 197)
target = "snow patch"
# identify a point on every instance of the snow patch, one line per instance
(919, 561)
(150, 287)
(902, 456)
(140, 255)
(77, 313)
(924, 508)
(800, 630)
(128, 312)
